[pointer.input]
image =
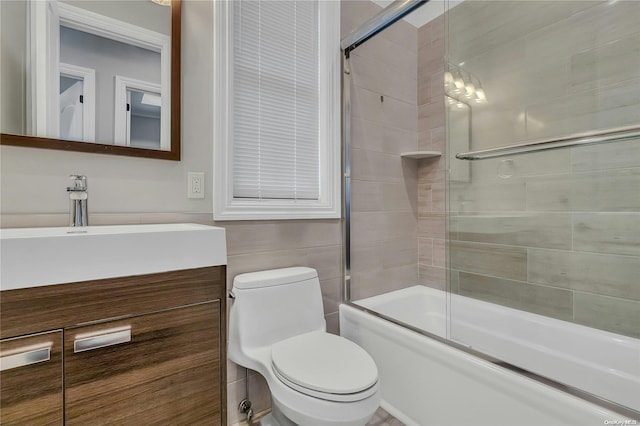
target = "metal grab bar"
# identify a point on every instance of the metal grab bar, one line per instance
(615, 135)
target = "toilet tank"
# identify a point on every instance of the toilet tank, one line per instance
(270, 306)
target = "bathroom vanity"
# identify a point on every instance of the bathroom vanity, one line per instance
(135, 349)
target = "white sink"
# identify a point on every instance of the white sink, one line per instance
(32, 257)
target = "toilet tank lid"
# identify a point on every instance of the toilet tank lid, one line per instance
(273, 277)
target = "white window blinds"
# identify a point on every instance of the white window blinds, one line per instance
(275, 100)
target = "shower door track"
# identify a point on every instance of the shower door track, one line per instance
(577, 392)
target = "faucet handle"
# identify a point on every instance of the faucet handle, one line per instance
(79, 183)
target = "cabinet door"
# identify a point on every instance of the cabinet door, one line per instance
(31, 380)
(160, 368)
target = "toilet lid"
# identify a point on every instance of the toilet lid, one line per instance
(324, 362)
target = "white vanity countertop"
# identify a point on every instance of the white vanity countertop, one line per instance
(32, 257)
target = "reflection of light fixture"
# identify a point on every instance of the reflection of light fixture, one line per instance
(481, 97)
(458, 82)
(151, 99)
(469, 90)
(162, 2)
(461, 85)
(448, 79)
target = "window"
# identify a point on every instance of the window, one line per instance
(277, 118)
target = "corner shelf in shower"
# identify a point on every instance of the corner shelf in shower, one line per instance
(418, 155)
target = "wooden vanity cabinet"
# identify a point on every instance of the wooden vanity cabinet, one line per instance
(135, 350)
(31, 380)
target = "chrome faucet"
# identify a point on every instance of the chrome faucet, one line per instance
(78, 201)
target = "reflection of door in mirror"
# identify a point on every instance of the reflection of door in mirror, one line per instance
(138, 114)
(71, 108)
(77, 103)
(143, 124)
(144, 128)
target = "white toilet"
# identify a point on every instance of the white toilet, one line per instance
(277, 328)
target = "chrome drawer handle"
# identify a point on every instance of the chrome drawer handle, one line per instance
(101, 339)
(28, 356)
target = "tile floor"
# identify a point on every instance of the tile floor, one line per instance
(382, 418)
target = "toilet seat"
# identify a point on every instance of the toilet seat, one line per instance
(325, 366)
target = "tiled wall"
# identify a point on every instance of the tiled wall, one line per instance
(555, 233)
(384, 120)
(432, 171)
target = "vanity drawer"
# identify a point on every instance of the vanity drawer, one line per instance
(31, 380)
(157, 368)
(31, 310)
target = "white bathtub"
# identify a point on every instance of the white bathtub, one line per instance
(426, 382)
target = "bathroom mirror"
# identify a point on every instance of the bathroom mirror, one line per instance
(97, 76)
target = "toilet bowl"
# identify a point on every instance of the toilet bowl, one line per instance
(277, 328)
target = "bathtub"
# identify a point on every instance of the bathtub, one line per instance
(427, 382)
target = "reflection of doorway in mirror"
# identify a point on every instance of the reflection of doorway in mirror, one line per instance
(71, 108)
(137, 115)
(143, 121)
(77, 103)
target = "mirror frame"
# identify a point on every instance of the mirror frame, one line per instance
(98, 148)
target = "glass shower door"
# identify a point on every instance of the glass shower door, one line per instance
(544, 247)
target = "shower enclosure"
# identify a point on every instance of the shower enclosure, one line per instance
(492, 184)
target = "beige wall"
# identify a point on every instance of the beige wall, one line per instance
(399, 222)
(384, 123)
(432, 171)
